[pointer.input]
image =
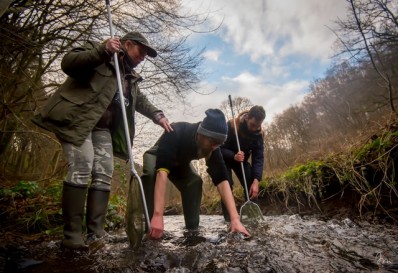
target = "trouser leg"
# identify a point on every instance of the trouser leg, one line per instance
(248, 174)
(80, 162)
(99, 191)
(189, 183)
(102, 170)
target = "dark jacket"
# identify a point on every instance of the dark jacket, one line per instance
(179, 147)
(80, 102)
(252, 144)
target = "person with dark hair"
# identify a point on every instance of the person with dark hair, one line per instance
(86, 116)
(251, 142)
(171, 157)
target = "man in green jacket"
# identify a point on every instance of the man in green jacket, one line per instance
(85, 115)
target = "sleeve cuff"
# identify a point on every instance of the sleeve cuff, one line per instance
(163, 169)
(158, 115)
(106, 54)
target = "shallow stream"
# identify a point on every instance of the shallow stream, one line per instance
(286, 243)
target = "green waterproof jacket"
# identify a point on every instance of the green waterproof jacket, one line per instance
(74, 109)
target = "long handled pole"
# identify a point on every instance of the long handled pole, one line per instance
(237, 142)
(126, 126)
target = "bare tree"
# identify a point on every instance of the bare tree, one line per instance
(35, 37)
(371, 32)
(239, 105)
(346, 106)
(350, 103)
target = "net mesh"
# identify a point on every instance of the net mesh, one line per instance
(250, 212)
(135, 217)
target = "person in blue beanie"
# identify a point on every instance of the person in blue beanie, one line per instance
(171, 157)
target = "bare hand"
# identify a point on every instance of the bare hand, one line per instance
(254, 188)
(239, 156)
(164, 122)
(157, 227)
(113, 45)
(236, 226)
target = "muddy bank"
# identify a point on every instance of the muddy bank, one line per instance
(338, 206)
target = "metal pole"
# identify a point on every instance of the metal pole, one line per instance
(126, 126)
(237, 142)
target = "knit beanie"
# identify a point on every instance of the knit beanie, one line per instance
(214, 125)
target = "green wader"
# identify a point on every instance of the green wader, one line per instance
(187, 181)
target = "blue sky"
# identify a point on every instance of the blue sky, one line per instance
(267, 51)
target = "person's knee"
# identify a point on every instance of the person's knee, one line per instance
(148, 179)
(102, 175)
(101, 184)
(149, 164)
(197, 183)
(148, 176)
(79, 175)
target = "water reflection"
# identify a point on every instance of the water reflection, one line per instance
(279, 244)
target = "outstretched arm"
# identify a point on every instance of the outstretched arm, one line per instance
(226, 194)
(254, 188)
(164, 123)
(157, 225)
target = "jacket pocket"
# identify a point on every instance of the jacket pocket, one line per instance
(102, 77)
(77, 92)
(60, 110)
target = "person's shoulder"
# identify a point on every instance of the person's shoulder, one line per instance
(91, 44)
(80, 46)
(181, 131)
(181, 125)
(216, 157)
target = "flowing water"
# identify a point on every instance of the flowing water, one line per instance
(279, 244)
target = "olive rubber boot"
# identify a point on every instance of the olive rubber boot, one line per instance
(97, 205)
(73, 201)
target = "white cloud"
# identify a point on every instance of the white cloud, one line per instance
(269, 32)
(212, 55)
(263, 28)
(272, 34)
(244, 78)
(273, 98)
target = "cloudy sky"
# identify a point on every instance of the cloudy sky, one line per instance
(267, 51)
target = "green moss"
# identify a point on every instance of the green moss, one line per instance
(377, 146)
(368, 171)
